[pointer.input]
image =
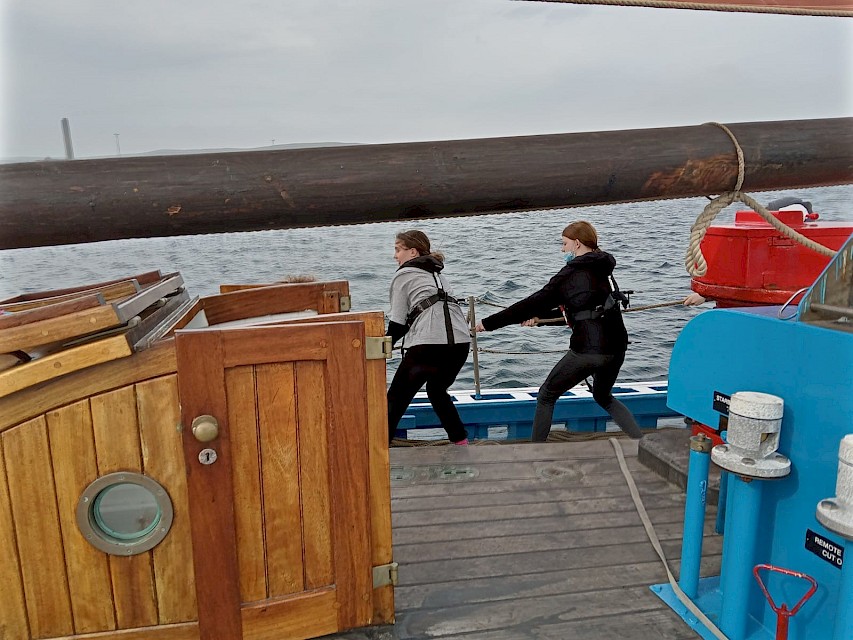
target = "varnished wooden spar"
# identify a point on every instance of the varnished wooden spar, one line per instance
(841, 8)
(63, 202)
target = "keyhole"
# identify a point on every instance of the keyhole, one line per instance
(207, 456)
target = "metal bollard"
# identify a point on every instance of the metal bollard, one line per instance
(836, 514)
(749, 455)
(694, 514)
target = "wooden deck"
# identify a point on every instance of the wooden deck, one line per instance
(524, 541)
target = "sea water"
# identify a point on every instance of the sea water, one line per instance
(500, 258)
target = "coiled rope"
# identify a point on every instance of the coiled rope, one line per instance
(694, 260)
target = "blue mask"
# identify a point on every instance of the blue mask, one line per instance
(569, 256)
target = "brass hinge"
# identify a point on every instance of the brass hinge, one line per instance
(384, 575)
(377, 348)
(346, 303)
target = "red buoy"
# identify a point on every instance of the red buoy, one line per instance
(750, 263)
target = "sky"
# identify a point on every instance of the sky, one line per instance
(213, 74)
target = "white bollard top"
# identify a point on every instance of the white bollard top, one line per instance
(756, 405)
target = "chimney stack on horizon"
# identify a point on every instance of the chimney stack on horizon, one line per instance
(66, 138)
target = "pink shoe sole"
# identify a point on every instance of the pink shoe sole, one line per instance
(462, 443)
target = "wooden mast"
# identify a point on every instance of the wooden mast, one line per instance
(64, 202)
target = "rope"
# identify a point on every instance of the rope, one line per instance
(694, 260)
(653, 538)
(516, 353)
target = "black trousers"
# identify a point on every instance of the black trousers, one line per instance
(437, 366)
(568, 372)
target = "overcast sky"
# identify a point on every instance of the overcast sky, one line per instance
(185, 74)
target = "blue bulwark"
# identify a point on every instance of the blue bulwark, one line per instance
(507, 414)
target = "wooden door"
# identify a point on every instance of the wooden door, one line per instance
(280, 520)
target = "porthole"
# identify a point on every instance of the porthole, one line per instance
(124, 513)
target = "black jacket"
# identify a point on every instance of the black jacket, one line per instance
(581, 285)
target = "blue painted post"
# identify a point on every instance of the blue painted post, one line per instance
(694, 514)
(844, 614)
(738, 555)
(720, 524)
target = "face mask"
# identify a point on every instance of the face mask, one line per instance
(569, 256)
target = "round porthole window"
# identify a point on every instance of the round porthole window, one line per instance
(124, 513)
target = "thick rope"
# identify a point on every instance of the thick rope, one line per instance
(694, 260)
(653, 538)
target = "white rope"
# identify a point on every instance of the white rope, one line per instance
(653, 538)
(694, 260)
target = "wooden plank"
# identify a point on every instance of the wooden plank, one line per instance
(109, 292)
(297, 617)
(539, 453)
(185, 631)
(571, 507)
(262, 301)
(277, 420)
(10, 320)
(70, 325)
(420, 481)
(142, 279)
(379, 469)
(13, 613)
(31, 402)
(519, 499)
(72, 448)
(348, 458)
(509, 545)
(507, 474)
(246, 470)
(520, 527)
(27, 459)
(629, 614)
(116, 429)
(599, 555)
(163, 460)
(201, 384)
(257, 345)
(63, 363)
(313, 463)
(558, 581)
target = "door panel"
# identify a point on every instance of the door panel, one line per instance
(280, 521)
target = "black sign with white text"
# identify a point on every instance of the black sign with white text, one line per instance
(830, 551)
(721, 403)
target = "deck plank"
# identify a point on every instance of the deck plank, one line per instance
(542, 541)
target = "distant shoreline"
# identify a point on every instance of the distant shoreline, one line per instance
(182, 152)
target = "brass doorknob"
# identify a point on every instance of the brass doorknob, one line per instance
(205, 428)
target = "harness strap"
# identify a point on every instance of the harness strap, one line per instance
(426, 303)
(614, 298)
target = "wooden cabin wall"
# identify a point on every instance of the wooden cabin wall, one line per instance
(52, 581)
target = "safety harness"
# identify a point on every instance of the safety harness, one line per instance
(611, 303)
(426, 303)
